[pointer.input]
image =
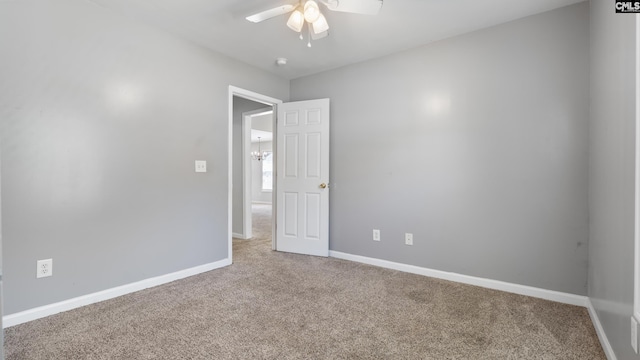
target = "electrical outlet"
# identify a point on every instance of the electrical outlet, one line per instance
(376, 235)
(201, 166)
(44, 268)
(634, 334)
(408, 239)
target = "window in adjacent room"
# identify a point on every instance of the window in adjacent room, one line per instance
(267, 172)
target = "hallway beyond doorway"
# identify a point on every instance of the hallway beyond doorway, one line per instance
(262, 214)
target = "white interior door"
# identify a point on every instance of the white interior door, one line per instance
(302, 177)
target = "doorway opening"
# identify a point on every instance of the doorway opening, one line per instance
(257, 174)
(249, 179)
(258, 181)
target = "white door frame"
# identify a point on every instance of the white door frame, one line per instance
(247, 177)
(267, 100)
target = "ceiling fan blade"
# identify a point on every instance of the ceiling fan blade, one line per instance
(268, 14)
(366, 7)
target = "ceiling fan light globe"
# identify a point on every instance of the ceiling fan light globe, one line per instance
(332, 4)
(296, 21)
(311, 11)
(320, 25)
(319, 36)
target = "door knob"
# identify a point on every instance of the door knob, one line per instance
(323, 186)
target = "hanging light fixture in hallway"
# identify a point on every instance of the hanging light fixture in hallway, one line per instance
(258, 155)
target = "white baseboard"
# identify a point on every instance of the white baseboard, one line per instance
(604, 341)
(557, 296)
(51, 309)
(239, 236)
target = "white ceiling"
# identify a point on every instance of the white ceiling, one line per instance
(401, 24)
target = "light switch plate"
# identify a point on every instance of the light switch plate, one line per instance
(201, 166)
(408, 239)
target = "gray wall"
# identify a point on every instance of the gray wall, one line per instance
(240, 106)
(476, 144)
(611, 173)
(101, 120)
(257, 195)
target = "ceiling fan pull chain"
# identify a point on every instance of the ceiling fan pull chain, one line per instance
(301, 37)
(309, 33)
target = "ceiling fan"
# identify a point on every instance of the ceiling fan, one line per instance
(308, 11)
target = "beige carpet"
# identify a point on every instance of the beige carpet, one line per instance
(271, 305)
